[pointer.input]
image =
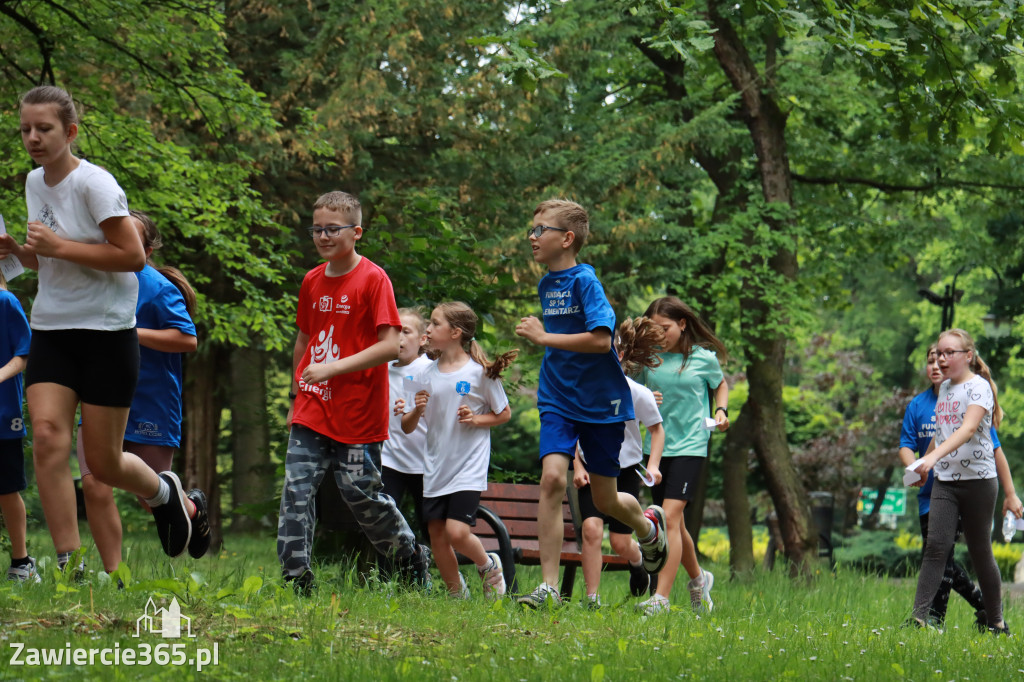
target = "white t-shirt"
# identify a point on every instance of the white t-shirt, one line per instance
(73, 296)
(646, 409)
(975, 459)
(402, 451)
(458, 454)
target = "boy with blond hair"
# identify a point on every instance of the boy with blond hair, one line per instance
(583, 396)
(348, 332)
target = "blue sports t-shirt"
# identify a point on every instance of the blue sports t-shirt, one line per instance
(918, 431)
(583, 387)
(14, 343)
(155, 415)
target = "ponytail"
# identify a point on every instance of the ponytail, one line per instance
(461, 316)
(978, 366)
(638, 343)
(152, 241)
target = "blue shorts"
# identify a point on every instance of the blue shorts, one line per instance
(601, 443)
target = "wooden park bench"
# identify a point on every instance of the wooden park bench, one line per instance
(507, 524)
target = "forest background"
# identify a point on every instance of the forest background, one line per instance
(797, 171)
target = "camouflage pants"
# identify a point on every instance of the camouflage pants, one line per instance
(358, 477)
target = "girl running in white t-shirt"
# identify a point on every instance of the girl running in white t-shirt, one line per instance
(464, 400)
(85, 349)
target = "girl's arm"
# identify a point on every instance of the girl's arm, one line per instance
(13, 368)
(597, 341)
(9, 246)
(483, 421)
(168, 340)
(973, 417)
(657, 432)
(722, 400)
(411, 419)
(122, 252)
(1010, 500)
(385, 350)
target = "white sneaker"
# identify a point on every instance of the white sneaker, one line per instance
(540, 596)
(24, 574)
(463, 592)
(493, 577)
(654, 606)
(700, 592)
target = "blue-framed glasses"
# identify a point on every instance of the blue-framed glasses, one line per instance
(538, 230)
(330, 230)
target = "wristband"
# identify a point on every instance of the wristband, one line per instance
(722, 409)
(292, 396)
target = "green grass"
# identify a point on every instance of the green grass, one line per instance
(845, 627)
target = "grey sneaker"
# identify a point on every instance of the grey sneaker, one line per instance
(463, 592)
(700, 592)
(655, 551)
(493, 577)
(417, 567)
(541, 596)
(24, 574)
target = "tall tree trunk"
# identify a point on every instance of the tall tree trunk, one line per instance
(252, 477)
(202, 406)
(734, 491)
(765, 324)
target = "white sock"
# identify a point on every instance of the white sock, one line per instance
(486, 566)
(650, 534)
(163, 495)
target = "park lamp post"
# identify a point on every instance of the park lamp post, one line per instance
(996, 327)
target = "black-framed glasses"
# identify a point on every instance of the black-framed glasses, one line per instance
(538, 230)
(331, 230)
(943, 354)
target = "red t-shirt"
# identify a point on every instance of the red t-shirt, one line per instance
(341, 315)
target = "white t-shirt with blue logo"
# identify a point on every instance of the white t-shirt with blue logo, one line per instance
(402, 451)
(584, 387)
(458, 455)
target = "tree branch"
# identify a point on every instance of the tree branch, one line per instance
(938, 183)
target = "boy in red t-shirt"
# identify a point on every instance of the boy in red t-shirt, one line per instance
(348, 331)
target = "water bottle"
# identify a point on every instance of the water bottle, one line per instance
(1009, 526)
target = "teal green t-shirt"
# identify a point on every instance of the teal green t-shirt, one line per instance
(685, 400)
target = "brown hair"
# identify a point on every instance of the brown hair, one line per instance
(638, 341)
(571, 216)
(343, 202)
(978, 366)
(50, 94)
(697, 331)
(417, 313)
(461, 316)
(151, 239)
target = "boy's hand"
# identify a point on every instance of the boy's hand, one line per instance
(531, 329)
(315, 373)
(580, 478)
(399, 409)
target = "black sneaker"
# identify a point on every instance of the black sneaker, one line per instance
(639, 580)
(304, 584)
(172, 523)
(981, 620)
(417, 567)
(77, 574)
(1000, 630)
(199, 543)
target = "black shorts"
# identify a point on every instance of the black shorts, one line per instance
(679, 478)
(398, 484)
(627, 482)
(12, 466)
(461, 506)
(101, 367)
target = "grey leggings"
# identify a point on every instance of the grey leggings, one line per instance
(974, 502)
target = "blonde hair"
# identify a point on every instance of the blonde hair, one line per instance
(343, 202)
(571, 216)
(978, 366)
(460, 316)
(416, 313)
(639, 341)
(697, 331)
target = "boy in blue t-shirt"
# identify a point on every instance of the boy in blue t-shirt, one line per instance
(583, 396)
(14, 346)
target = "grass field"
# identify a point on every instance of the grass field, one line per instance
(845, 627)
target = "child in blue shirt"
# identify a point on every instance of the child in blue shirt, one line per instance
(14, 345)
(583, 396)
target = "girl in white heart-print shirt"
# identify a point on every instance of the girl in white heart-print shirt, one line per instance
(965, 471)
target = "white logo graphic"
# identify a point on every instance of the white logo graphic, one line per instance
(163, 622)
(326, 303)
(325, 349)
(344, 298)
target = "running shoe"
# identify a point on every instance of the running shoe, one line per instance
(24, 574)
(541, 596)
(172, 523)
(493, 577)
(700, 592)
(654, 606)
(199, 543)
(655, 550)
(639, 580)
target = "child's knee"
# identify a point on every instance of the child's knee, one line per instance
(95, 490)
(593, 530)
(621, 544)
